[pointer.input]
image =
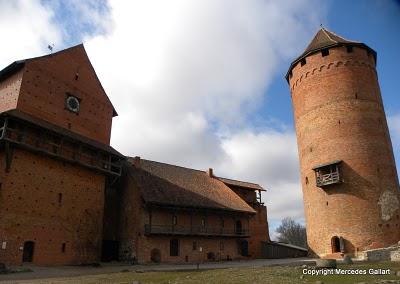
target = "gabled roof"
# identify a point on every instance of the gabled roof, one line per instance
(168, 185)
(239, 183)
(18, 65)
(326, 39)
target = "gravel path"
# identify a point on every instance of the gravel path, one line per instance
(40, 272)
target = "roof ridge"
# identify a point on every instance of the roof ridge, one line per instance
(176, 166)
(238, 180)
(326, 32)
(341, 37)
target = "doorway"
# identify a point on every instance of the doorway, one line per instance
(29, 248)
(335, 244)
(244, 248)
(109, 250)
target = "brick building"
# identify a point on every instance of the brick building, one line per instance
(348, 172)
(55, 159)
(174, 214)
(68, 197)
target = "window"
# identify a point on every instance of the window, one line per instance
(222, 223)
(174, 247)
(63, 247)
(327, 174)
(194, 246)
(221, 245)
(325, 52)
(303, 62)
(174, 220)
(72, 103)
(349, 48)
(60, 196)
(203, 222)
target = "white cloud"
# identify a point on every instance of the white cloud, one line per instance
(26, 29)
(270, 159)
(185, 75)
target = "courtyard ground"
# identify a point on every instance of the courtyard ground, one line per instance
(256, 271)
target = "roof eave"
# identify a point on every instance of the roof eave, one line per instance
(11, 69)
(306, 54)
(165, 205)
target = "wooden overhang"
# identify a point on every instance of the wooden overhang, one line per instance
(22, 130)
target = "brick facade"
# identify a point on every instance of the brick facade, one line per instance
(46, 197)
(339, 115)
(62, 197)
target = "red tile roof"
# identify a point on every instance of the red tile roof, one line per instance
(169, 185)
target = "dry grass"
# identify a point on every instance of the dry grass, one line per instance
(274, 274)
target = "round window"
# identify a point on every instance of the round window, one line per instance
(72, 104)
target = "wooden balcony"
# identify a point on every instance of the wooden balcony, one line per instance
(195, 231)
(16, 132)
(328, 174)
(328, 179)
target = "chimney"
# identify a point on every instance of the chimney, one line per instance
(136, 161)
(210, 172)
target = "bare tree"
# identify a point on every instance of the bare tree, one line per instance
(291, 232)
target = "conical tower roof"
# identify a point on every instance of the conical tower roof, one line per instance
(327, 39)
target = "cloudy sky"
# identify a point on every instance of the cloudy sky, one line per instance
(200, 83)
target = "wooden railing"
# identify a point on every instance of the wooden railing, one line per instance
(60, 147)
(327, 179)
(194, 230)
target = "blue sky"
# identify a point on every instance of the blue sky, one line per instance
(200, 83)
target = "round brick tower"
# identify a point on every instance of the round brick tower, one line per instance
(348, 173)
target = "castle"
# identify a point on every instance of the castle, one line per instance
(348, 172)
(68, 197)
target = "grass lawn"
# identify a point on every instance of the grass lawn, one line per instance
(271, 274)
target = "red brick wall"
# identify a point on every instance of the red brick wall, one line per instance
(339, 115)
(46, 81)
(30, 210)
(9, 91)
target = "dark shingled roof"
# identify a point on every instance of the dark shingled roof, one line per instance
(244, 184)
(169, 185)
(44, 124)
(326, 39)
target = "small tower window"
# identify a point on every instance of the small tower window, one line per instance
(60, 197)
(325, 52)
(303, 62)
(349, 49)
(174, 220)
(328, 174)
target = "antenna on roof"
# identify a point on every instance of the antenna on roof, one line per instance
(50, 47)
